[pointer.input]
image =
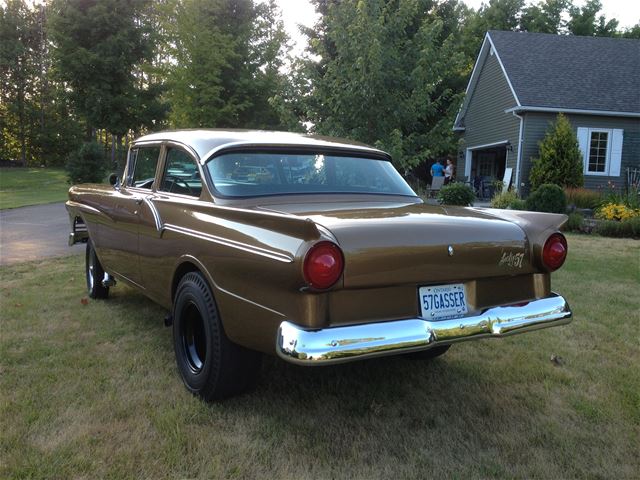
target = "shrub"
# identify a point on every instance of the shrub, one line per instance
(508, 199)
(547, 198)
(88, 164)
(518, 204)
(582, 198)
(629, 197)
(625, 229)
(575, 222)
(560, 160)
(617, 211)
(456, 194)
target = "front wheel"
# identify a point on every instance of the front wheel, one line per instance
(211, 365)
(94, 274)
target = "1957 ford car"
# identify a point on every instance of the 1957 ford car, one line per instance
(311, 248)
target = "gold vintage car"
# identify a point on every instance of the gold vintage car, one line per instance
(311, 248)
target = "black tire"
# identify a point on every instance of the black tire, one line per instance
(431, 353)
(94, 274)
(211, 365)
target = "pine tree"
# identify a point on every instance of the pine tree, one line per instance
(99, 44)
(228, 57)
(560, 160)
(390, 74)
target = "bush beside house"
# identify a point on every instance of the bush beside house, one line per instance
(560, 160)
(456, 194)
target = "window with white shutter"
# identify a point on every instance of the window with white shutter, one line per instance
(601, 150)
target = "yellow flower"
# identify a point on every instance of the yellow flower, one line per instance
(617, 211)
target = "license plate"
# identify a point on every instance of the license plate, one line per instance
(440, 302)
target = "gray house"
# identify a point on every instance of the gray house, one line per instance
(519, 84)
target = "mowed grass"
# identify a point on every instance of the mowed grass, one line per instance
(20, 187)
(92, 391)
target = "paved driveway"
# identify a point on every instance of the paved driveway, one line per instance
(30, 233)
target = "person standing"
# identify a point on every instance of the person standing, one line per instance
(449, 172)
(437, 170)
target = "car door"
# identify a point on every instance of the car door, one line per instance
(120, 236)
(179, 185)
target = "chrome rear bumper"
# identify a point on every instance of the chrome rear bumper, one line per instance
(355, 342)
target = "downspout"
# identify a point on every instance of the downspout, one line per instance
(519, 157)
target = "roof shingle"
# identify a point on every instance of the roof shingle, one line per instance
(571, 72)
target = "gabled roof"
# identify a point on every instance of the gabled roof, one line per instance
(566, 72)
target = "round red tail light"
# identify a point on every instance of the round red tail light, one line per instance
(323, 265)
(554, 251)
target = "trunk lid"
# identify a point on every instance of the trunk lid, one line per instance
(400, 243)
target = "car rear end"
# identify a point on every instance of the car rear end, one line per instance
(412, 277)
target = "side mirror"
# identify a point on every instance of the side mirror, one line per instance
(113, 179)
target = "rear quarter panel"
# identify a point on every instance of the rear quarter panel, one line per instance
(252, 261)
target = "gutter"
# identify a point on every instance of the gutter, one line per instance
(606, 113)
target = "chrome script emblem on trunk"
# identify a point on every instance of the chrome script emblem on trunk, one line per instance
(511, 260)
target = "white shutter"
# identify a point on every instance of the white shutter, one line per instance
(583, 144)
(467, 166)
(616, 152)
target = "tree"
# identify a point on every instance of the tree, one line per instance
(98, 46)
(633, 32)
(228, 58)
(544, 17)
(389, 74)
(560, 160)
(35, 125)
(500, 14)
(19, 44)
(585, 21)
(496, 15)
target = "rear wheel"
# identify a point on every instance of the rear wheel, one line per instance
(431, 353)
(211, 366)
(94, 274)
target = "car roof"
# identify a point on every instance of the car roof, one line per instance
(205, 142)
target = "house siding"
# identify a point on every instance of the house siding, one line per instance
(485, 118)
(536, 126)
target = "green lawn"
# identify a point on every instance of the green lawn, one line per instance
(20, 187)
(92, 391)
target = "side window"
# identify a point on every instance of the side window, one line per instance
(181, 174)
(144, 162)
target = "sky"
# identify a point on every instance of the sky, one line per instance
(295, 12)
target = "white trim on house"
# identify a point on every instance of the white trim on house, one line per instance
(471, 78)
(516, 180)
(504, 71)
(467, 164)
(605, 113)
(469, 155)
(475, 66)
(613, 156)
(487, 145)
(476, 71)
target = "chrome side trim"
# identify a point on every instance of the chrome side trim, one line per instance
(154, 211)
(342, 344)
(81, 206)
(229, 243)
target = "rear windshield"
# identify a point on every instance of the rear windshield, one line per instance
(249, 174)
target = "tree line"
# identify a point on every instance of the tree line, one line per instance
(391, 73)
